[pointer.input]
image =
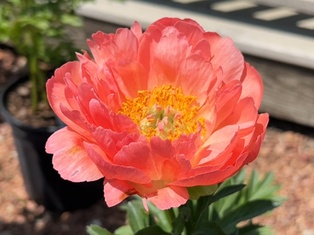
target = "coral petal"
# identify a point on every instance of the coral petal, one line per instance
(114, 171)
(251, 78)
(70, 158)
(115, 192)
(170, 197)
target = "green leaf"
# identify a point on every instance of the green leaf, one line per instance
(124, 230)
(72, 20)
(152, 230)
(96, 230)
(209, 228)
(264, 189)
(245, 212)
(161, 218)
(202, 210)
(253, 183)
(137, 216)
(179, 223)
(226, 191)
(199, 191)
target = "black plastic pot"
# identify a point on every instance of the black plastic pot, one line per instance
(43, 184)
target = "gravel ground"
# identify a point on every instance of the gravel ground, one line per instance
(288, 151)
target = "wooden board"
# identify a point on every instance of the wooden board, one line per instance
(288, 90)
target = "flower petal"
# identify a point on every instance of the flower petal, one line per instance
(259, 135)
(251, 78)
(169, 197)
(116, 191)
(224, 54)
(70, 158)
(195, 76)
(114, 171)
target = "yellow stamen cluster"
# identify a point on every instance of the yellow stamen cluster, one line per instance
(165, 112)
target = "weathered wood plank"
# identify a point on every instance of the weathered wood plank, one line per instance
(289, 90)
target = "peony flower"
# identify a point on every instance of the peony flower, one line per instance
(156, 112)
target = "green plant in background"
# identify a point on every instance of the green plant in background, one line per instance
(229, 210)
(38, 30)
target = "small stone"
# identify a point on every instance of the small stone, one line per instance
(23, 91)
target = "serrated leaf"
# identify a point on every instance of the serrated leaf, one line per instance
(245, 212)
(137, 216)
(96, 230)
(152, 230)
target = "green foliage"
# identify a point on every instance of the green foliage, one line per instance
(38, 30)
(138, 217)
(96, 230)
(227, 211)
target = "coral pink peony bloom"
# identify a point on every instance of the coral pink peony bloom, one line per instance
(156, 113)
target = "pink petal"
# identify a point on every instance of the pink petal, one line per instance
(195, 76)
(210, 175)
(226, 100)
(137, 29)
(112, 142)
(138, 155)
(169, 197)
(70, 158)
(131, 77)
(259, 134)
(102, 47)
(227, 56)
(62, 99)
(216, 150)
(243, 112)
(191, 30)
(166, 57)
(127, 45)
(115, 191)
(103, 117)
(252, 85)
(114, 171)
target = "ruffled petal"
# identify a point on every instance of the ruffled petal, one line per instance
(251, 78)
(116, 191)
(113, 171)
(224, 54)
(211, 175)
(137, 155)
(169, 197)
(226, 99)
(216, 150)
(195, 76)
(70, 158)
(258, 137)
(166, 56)
(61, 98)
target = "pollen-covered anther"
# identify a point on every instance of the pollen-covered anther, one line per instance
(165, 112)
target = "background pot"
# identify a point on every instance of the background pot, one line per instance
(43, 184)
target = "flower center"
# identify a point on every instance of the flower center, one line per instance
(165, 112)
